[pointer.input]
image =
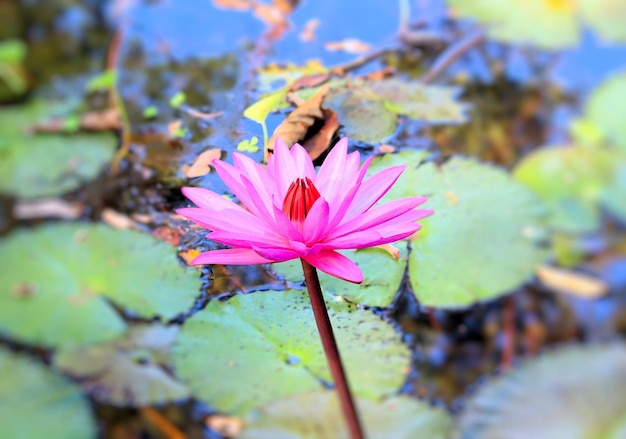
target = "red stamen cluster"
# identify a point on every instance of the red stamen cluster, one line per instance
(299, 199)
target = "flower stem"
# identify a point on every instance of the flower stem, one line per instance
(332, 352)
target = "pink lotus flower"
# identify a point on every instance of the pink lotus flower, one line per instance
(292, 212)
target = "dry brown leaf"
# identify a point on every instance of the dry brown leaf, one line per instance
(167, 234)
(141, 218)
(286, 6)
(295, 126)
(228, 426)
(270, 15)
(237, 5)
(118, 220)
(188, 255)
(47, 208)
(386, 149)
(320, 141)
(566, 281)
(101, 121)
(202, 164)
(308, 31)
(378, 74)
(309, 81)
(349, 45)
(106, 120)
(391, 249)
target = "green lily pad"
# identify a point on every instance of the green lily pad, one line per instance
(573, 181)
(548, 24)
(37, 403)
(576, 392)
(128, 372)
(43, 165)
(317, 415)
(382, 276)
(605, 108)
(606, 17)
(56, 279)
(256, 348)
(482, 240)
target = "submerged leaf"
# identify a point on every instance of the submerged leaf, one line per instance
(37, 403)
(317, 415)
(127, 372)
(256, 348)
(56, 279)
(576, 392)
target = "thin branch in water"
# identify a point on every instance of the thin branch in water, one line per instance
(452, 54)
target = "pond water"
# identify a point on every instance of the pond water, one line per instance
(513, 291)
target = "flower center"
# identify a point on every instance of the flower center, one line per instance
(299, 199)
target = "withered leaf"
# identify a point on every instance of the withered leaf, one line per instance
(319, 142)
(202, 163)
(295, 126)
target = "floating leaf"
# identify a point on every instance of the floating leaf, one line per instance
(150, 112)
(382, 276)
(56, 278)
(317, 415)
(605, 108)
(606, 17)
(369, 110)
(104, 81)
(614, 194)
(259, 111)
(570, 282)
(296, 125)
(431, 103)
(46, 165)
(481, 241)
(274, 75)
(573, 181)
(127, 372)
(364, 117)
(549, 24)
(37, 403)
(255, 348)
(201, 164)
(12, 51)
(575, 392)
(249, 145)
(178, 99)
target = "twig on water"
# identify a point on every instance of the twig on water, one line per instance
(452, 54)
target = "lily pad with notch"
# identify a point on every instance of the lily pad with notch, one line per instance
(263, 346)
(382, 276)
(484, 238)
(58, 279)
